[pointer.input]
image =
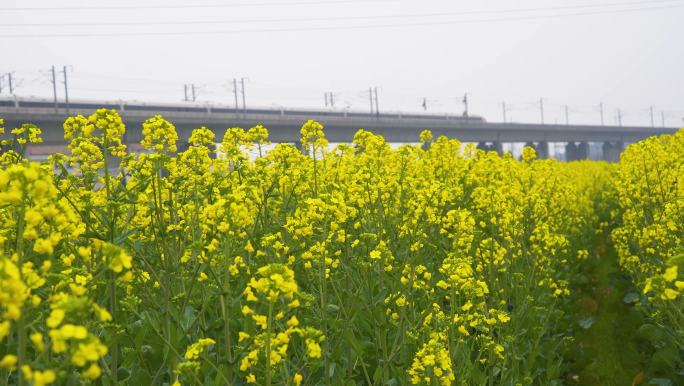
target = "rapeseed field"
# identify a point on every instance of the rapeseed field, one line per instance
(433, 264)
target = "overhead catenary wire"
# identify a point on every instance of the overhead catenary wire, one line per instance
(125, 78)
(137, 89)
(370, 17)
(298, 89)
(166, 90)
(370, 26)
(288, 90)
(166, 93)
(118, 90)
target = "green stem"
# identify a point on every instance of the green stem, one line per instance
(112, 305)
(112, 280)
(268, 343)
(346, 291)
(452, 333)
(226, 314)
(324, 317)
(21, 325)
(167, 259)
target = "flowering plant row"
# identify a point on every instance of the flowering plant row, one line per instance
(649, 238)
(436, 264)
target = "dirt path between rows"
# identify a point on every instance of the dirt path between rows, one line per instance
(607, 352)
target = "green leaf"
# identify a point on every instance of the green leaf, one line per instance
(377, 376)
(223, 369)
(477, 375)
(174, 312)
(119, 240)
(114, 339)
(121, 188)
(236, 300)
(151, 318)
(661, 381)
(105, 218)
(188, 317)
(586, 323)
(391, 382)
(139, 377)
(351, 341)
(93, 235)
(125, 201)
(649, 332)
(122, 372)
(365, 315)
(175, 339)
(630, 297)
(62, 169)
(380, 297)
(676, 260)
(663, 360)
(140, 338)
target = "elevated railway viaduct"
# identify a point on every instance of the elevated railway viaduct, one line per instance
(284, 126)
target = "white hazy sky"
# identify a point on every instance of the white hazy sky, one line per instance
(626, 54)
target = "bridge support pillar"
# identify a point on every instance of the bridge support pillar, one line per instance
(576, 152)
(571, 152)
(497, 147)
(491, 146)
(583, 148)
(542, 150)
(612, 150)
